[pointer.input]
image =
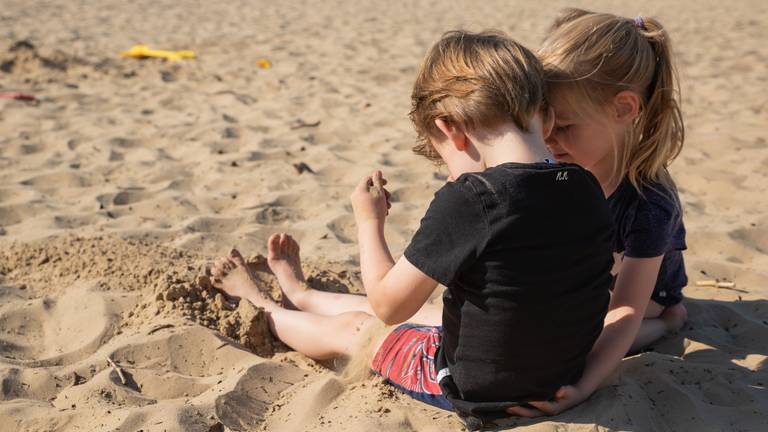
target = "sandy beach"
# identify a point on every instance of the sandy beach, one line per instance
(125, 178)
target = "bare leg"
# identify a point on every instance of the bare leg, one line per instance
(285, 262)
(658, 321)
(316, 336)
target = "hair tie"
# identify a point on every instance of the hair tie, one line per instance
(639, 23)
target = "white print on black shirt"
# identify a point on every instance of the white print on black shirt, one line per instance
(562, 175)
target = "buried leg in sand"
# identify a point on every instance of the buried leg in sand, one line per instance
(315, 335)
(285, 262)
(325, 325)
(318, 324)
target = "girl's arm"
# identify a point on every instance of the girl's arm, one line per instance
(631, 294)
(396, 291)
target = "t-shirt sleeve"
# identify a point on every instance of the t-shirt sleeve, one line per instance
(451, 234)
(653, 227)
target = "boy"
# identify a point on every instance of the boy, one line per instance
(523, 245)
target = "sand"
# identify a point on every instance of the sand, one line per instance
(125, 178)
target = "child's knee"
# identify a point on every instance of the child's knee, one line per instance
(653, 310)
(675, 316)
(354, 326)
(355, 322)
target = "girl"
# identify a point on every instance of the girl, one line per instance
(614, 91)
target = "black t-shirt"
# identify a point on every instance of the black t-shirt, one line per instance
(651, 225)
(525, 251)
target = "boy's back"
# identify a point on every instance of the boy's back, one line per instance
(525, 251)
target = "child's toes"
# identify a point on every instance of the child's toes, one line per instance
(236, 257)
(293, 246)
(221, 264)
(273, 245)
(217, 273)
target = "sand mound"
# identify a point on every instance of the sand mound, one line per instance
(175, 279)
(114, 264)
(106, 332)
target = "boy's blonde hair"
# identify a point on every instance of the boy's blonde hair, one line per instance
(480, 80)
(594, 56)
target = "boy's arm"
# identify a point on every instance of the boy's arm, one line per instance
(395, 291)
(634, 286)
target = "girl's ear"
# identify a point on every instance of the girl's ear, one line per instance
(627, 106)
(454, 132)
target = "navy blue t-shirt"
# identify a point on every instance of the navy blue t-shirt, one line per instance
(651, 225)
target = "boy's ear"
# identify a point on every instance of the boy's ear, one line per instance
(627, 106)
(454, 132)
(548, 121)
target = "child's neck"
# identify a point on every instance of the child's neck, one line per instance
(606, 172)
(509, 144)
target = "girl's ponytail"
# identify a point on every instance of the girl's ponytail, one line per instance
(659, 127)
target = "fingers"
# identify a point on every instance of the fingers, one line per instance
(524, 411)
(364, 184)
(561, 393)
(378, 178)
(548, 408)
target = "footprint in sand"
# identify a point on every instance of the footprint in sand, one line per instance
(755, 237)
(13, 214)
(51, 331)
(59, 179)
(123, 197)
(214, 225)
(343, 228)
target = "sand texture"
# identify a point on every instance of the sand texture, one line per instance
(126, 178)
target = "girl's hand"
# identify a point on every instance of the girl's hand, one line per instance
(565, 397)
(370, 201)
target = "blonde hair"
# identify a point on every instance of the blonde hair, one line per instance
(480, 80)
(594, 56)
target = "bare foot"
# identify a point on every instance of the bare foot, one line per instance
(284, 261)
(231, 275)
(674, 317)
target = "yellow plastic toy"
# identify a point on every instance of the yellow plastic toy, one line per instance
(143, 51)
(263, 63)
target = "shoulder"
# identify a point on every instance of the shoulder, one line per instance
(651, 221)
(457, 200)
(657, 202)
(530, 174)
(460, 191)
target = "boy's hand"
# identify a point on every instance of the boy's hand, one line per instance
(565, 397)
(370, 201)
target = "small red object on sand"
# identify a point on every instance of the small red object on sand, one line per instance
(17, 96)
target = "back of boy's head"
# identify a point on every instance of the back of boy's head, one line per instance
(480, 80)
(594, 56)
